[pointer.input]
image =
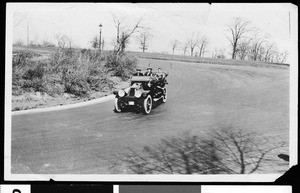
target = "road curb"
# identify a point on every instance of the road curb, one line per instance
(69, 106)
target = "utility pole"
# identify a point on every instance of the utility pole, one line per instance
(27, 34)
(100, 26)
(289, 24)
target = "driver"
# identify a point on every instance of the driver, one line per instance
(138, 73)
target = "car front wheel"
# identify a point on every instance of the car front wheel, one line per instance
(117, 108)
(147, 106)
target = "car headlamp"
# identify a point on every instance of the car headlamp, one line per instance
(121, 93)
(138, 94)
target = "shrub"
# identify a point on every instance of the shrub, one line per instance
(62, 57)
(68, 70)
(28, 75)
(35, 85)
(22, 58)
(120, 65)
(36, 71)
(54, 89)
(75, 82)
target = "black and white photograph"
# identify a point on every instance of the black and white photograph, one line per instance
(156, 92)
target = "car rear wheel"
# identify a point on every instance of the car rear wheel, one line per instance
(117, 108)
(147, 106)
(165, 96)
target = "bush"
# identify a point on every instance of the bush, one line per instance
(62, 57)
(22, 58)
(35, 85)
(54, 89)
(36, 71)
(120, 65)
(27, 74)
(67, 70)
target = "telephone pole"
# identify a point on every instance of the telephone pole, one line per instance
(100, 26)
(27, 35)
(289, 24)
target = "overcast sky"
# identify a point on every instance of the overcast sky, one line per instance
(166, 22)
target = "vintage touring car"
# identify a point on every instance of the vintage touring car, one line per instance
(144, 90)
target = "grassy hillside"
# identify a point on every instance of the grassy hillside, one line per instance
(41, 73)
(159, 56)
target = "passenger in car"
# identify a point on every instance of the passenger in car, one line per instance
(149, 72)
(160, 80)
(160, 74)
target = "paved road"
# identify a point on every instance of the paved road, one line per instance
(202, 97)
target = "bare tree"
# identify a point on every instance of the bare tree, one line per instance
(143, 39)
(283, 56)
(237, 30)
(185, 47)
(215, 53)
(63, 52)
(63, 41)
(243, 48)
(270, 50)
(174, 44)
(193, 42)
(202, 45)
(225, 151)
(124, 32)
(257, 47)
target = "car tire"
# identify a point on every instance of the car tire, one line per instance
(147, 105)
(117, 108)
(165, 97)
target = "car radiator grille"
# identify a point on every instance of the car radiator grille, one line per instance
(132, 92)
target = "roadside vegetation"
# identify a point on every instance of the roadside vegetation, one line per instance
(67, 72)
(80, 74)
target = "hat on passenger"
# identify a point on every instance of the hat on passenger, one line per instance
(138, 69)
(149, 68)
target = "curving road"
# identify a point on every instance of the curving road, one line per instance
(201, 97)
